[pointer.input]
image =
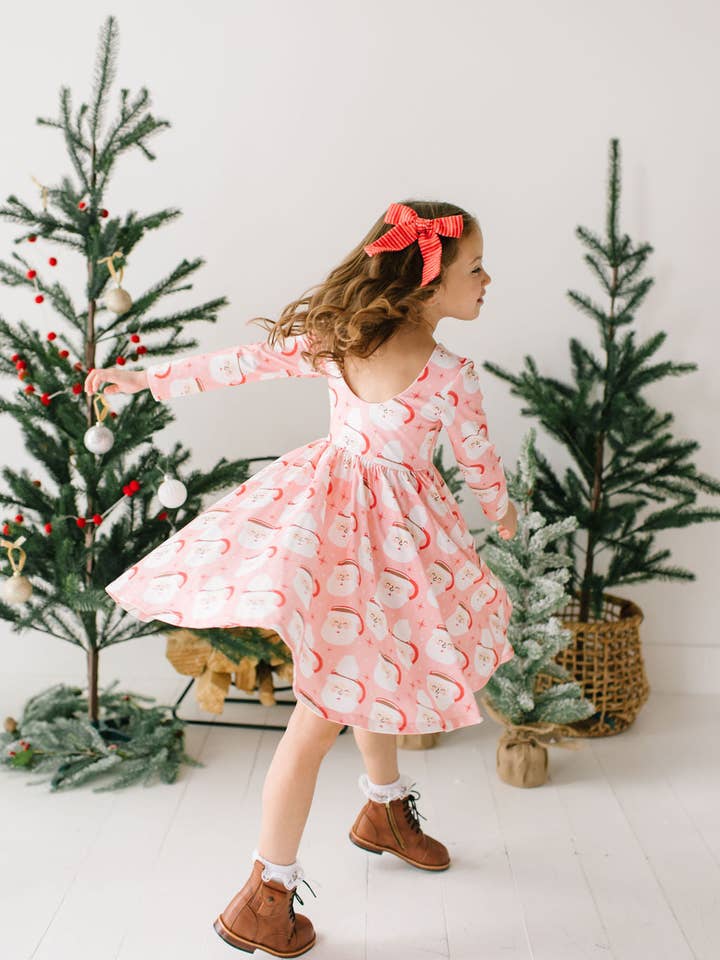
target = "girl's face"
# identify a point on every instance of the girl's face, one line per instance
(463, 284)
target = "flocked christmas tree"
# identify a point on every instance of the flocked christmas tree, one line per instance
(65, 540)
(535, 575)
(626, 455)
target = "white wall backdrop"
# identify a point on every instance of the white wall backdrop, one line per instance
(294, 125)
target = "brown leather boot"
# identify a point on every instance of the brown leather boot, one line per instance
(261, 915)
(394, 827)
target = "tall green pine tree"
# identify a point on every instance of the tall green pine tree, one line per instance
(70, 565)
(625, 454)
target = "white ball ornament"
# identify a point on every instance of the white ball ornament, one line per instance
(16, 589)
(98, 439)
(118, 300)
(171, 493)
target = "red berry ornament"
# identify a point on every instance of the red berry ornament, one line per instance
(52, 335)
(31, 274)
(39, 298)
(52, 261)
(80, 521)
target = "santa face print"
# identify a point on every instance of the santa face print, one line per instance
(399, 545)
(261, 497)
(444, 691)
(255, 534)
(387, 673)
(225, 369)
(386, 717)
(342, 529)
(376, 620)
(485, 659)
(341, 627)
(212, 597)
(427, 718)
(259, 600)
(440, 647)
(344, 579)
(163, 588)
(305, 585)
(205, 553)
(165, 555)
(459, 621)
(351, 548)
(440, 577)
(342, 693)
(395, 589)
(300, 540)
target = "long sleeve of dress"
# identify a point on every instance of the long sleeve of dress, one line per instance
(229, 367)
(464, 419)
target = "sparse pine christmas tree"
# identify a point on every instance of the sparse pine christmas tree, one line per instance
(534, 574)
(99, 513)
(625, 452)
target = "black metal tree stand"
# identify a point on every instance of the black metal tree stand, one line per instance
(227, 723)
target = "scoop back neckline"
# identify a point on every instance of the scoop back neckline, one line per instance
(379, 403)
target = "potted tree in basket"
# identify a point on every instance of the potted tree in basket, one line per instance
(626, 458)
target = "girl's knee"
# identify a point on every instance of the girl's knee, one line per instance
(312, 728)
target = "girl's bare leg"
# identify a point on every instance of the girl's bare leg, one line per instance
(379, 752)
(290, 783)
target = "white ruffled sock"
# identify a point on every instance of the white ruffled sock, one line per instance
(290, 874)
(383, 792)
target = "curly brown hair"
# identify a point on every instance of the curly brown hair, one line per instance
(365, 299)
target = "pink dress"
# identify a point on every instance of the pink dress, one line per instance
(351, 547)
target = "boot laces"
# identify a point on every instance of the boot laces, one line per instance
(291, 901)
(411, 811)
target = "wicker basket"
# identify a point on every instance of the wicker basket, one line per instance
(605, 658)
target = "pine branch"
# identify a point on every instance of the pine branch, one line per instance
(105, 70)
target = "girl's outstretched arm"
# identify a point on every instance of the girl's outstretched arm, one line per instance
(466, 424)
(229, 367)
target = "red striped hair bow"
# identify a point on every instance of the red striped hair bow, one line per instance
(410, 227)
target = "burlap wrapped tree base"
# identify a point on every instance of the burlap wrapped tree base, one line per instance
(521, 758)
(416, 741)
(195, 657)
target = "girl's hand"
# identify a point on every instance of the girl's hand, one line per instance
(507, 527)
(121, 381)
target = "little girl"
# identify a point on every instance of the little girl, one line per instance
(351, 547)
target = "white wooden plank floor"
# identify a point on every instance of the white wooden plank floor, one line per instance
(617, 856)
